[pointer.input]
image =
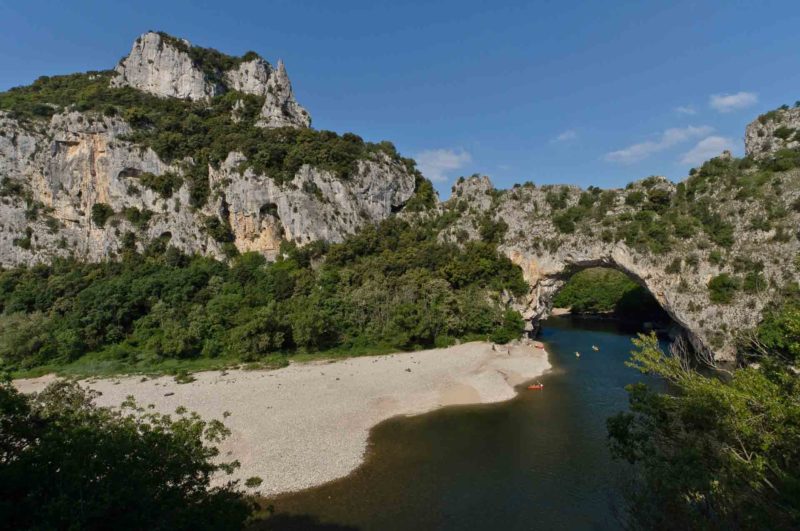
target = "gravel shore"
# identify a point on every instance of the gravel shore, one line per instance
(308, 423)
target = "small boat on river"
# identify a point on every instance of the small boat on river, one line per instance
(536, 386)
(595, 348)
(577, 354)
(539, 345)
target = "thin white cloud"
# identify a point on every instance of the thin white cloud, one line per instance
(732, 102)
(670, 137)
(706, 149)
(686, 109)
(566, 136)
(435, 164)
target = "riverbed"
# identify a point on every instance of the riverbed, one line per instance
(309, 423)
(539, 461)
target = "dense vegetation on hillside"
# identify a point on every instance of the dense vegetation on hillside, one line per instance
(607, 291)
(67, 464)
(198, 133)
(717, 453)
(697, 214)
(389, 287)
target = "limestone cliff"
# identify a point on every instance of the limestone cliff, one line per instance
(157, 157)
(172, 68)
(161, 68)
(62, 170)
(552, 231)
(773, 131)
(209, 153)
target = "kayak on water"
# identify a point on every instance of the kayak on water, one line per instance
(536, 386)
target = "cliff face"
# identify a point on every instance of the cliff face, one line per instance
(773, 131)
(160, 68)
(75, 162)
(80, 184)
(675, 268)
(164, 66)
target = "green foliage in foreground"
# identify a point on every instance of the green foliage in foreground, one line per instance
(67, 464)
(712, 454)
(391, 286)
(779, 332)
(603, 290)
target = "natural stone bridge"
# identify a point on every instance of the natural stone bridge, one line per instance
(547, 256)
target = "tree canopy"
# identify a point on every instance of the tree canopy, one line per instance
(67, 464)
(391, 286)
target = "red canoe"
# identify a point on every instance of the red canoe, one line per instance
(536, 386)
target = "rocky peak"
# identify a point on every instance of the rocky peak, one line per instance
(163, 67)
(280, 108)
(250, 77)
(172, 68)
(773, 131)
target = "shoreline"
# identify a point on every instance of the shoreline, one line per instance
(307, 424)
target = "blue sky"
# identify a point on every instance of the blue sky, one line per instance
(590, 93)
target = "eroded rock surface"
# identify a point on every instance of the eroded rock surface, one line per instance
(66, 167)
(773, 131)
(549, 256)
(162, 65)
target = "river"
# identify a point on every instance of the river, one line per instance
(539, 461)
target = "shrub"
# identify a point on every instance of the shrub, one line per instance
(164, 185)
(557, 200)
(566, 220)
(492, 230)
(219, 230)
(253, 482)
(722, 288)
(754, 282)
(674, 267)
(511, 328)
(634, 198)
(137, 218)
(783, 132)
(67, 463)
(100, 213)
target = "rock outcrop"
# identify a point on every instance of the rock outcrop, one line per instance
(280, 108)
(548, 256)
(773, 131)
(163, 66)
(60, 172)
(160, 67)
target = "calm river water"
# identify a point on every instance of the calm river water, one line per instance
(540, 461)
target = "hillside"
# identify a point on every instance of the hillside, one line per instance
(715, 250)
(182, 144)
(182, 152)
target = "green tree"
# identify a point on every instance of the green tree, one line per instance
(713, 453)
(68, 464)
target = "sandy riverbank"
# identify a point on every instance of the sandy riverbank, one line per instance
(308, 423)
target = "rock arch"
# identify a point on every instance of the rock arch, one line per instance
(545, 252)
(547, 274)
